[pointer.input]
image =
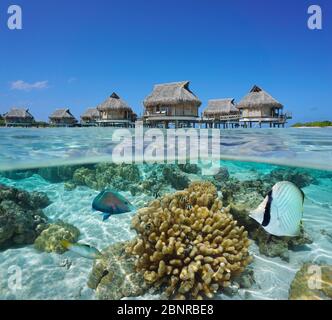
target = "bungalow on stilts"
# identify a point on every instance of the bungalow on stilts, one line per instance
(17, 117)
(62, 118)
(115, 112)
(221, 113)
(171, 104)
(259, 107)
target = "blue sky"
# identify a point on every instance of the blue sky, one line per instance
(74, 53)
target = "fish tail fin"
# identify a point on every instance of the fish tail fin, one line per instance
(66, 244)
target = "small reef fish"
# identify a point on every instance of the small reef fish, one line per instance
(83, 250)
(281, 212)
(110, 202)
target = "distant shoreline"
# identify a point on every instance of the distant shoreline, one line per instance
(314, 124)
(312, 127)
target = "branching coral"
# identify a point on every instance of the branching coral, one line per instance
(189, 244)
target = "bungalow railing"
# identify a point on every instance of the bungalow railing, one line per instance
(230, 117)
(157, 114)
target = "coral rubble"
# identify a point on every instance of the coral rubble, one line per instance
(114, 276)
(188, 244)
(50, 239)
(21, 216)
(312, 282)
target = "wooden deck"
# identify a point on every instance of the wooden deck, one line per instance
(226, 121)
(115, 123)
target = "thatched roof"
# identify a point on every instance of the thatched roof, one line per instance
(258, 98)
(62, 114)
(114, 102)
(172, 94)
(19, 113)
(90, 113)
(221, 106)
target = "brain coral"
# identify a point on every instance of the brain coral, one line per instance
(50, 239)
(189, 244)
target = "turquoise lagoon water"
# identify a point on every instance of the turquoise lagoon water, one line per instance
(247, 154)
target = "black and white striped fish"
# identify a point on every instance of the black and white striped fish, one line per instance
(281, 212)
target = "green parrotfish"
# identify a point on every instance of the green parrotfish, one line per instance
(110, 202)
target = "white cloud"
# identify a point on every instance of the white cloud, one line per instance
(25, 86)
(72, 80)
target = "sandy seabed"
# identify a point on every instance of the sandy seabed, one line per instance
(52, 276)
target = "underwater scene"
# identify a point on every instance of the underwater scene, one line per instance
(75, 226)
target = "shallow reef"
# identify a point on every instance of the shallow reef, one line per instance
(21, 216)
(245, 196)
(312, 282)
(175, 177)
(252, 192)
(188, 245)
(190, 168)
(248, 192)
(299, 177)
(114, 276)
(57, 174)
(154, 180)
(105, 175)
(154, 183)
(50, 239)
(269, 245)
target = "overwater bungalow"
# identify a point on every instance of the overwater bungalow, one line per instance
(116, 112)
(259, 107)
(62, 118)
(171, 103)
(221, 112)
(90, 117)
(17, 117)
